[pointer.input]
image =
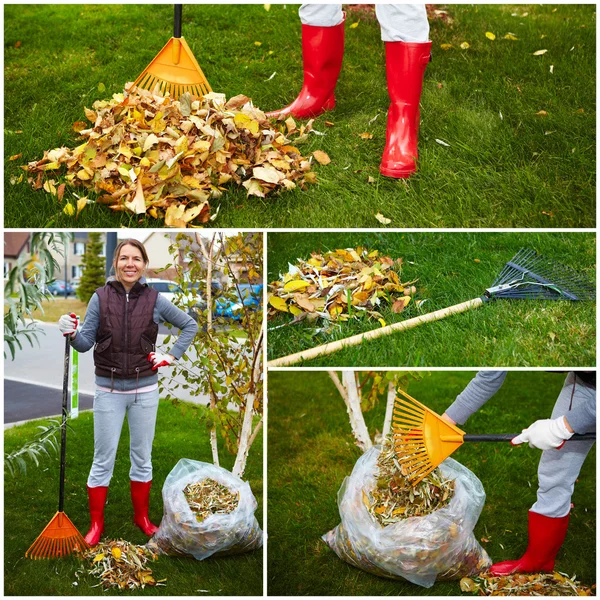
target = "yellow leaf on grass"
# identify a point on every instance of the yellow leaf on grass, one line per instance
(16, 156)
(116, 552)
(490, 36)
(98, 558)
(511, 36)
(304, 303)
(296, 311)
(81, 204)
(49, 187)
(465, 45)
(69, 210)
(294, 286)
(382, 322)
(382, 219)
(173, 216)
(539, 52)
(366, 136)
(278, 303)
(354, 25)
(321, 157)
(445, 46)
(541, 113)
(267, 7)
(258, 43)
(138, 204)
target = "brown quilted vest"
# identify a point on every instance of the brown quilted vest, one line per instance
(127, 331)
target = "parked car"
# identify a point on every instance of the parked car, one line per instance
(165, 288)
(57, 288)
(249, 296)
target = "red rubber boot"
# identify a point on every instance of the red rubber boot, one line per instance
(322, 54)
(546, 536)
(405, 65)
(140, 498)
(96, 501)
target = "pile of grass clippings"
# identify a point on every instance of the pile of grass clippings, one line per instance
(119, 564)
(147, 153)
(520, 584)
(339, 285)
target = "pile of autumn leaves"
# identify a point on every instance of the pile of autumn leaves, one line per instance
(339, 285)
(146, 153)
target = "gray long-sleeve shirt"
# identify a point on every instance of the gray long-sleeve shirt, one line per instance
(485, 384)
(164, 312)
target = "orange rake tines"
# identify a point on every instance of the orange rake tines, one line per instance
(59, 538)
(174, 69)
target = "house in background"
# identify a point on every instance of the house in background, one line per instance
(15, 244)
(71, 264)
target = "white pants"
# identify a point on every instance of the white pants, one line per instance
(109, 413)
(398, 22)
(558, 469)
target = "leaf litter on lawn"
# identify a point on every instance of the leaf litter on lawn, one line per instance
(148, 153)
(339, 285)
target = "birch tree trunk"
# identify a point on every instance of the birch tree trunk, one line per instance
(349, 392)
(389, 409)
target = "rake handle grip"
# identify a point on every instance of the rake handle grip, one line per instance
(177, 20)
(354, 340)
(63, 428)
(506, 437)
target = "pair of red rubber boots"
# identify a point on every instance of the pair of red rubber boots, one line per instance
(140, 498)
(322, 54)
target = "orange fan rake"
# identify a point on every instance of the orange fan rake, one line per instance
(60, 537)
(175, 69)
(423, 440)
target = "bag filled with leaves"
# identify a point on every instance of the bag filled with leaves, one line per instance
(207, 511)
(422, 533)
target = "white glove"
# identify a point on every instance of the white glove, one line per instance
(160, 360)
(68, 324)
(544, 434)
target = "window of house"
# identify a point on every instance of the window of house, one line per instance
(76, 271)
(79, 248)
(7, 267)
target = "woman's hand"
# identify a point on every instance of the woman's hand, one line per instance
(160, 360)
(545, 434)
(68, 324)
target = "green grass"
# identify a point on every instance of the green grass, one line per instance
(311, 450)
(505, 166)
(31, 500)
(502, 333)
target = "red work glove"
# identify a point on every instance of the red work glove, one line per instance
(68, 324)
(544, 434)
(160, 360)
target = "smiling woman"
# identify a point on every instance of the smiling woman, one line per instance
(122, 324)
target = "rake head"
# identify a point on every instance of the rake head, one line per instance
(59, 538)
(531, 276)
(174, 70)
(422, 439)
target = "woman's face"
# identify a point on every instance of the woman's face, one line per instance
(130, 265)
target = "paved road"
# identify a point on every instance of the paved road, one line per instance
(36, 375)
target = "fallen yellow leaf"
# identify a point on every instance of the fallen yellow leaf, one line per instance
(354, 25)
(541, 113)
(16, 156)
(69, 210)
(366, 136)
(294, 286)
(510, 36)
(116, 552)
(321, 157)
(81, 204)
(490, 36)
(445, 46)
(539, 52)
(382, 219)
(278, 303)
(465, 45)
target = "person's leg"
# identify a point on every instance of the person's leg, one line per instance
(405, 31)
(403, 22)
(557, 473)
(109, 411)
(322, 55)
(142, 422)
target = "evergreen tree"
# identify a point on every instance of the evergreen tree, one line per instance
(94, 268)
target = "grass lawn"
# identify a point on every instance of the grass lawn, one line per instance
(451, 268)
(517, 130)
(31, 500)
(311, 451)
(56, 307)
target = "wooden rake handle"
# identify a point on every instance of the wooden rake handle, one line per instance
(354, 340)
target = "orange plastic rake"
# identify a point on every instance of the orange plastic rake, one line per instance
(175, 69)
(60, 537)
(423, 440)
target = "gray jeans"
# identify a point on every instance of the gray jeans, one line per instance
(109, 412)
(558, 469)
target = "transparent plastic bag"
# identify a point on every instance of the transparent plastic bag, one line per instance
(180, 534)
(440, 545)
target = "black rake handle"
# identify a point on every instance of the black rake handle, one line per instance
(63, 427)
(506, 437)
(177, 23)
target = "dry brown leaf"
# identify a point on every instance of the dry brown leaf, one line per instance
(321, 157)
